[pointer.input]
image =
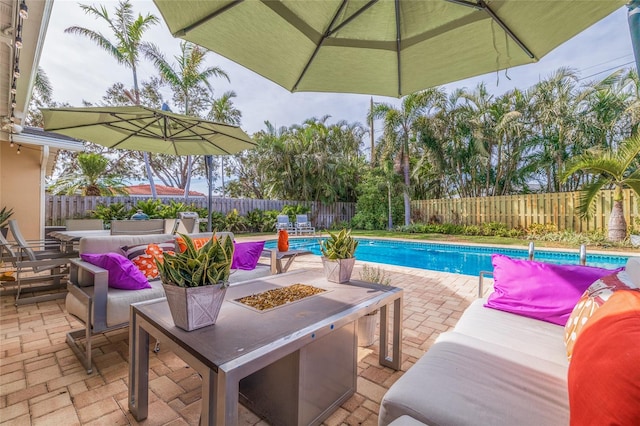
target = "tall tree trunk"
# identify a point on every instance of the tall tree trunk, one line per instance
(617, 222)
(407, 182)
(390, 224)
(187, 184)
(145, 155)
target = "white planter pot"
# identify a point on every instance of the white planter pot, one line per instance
(635, 240)
(367, 329)
(339, 270)
(194, 307)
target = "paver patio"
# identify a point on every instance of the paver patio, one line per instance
(42, 382)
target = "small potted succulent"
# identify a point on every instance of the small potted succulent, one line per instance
(195, 281)
(338, 253)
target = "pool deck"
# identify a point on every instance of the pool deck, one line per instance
(42, 382)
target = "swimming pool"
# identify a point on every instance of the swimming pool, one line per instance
(459, 259)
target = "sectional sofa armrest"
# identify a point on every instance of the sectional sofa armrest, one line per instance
(82, 275)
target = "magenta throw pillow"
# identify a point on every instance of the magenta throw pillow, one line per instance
(539, 290)
(246, 255)
(123, 274)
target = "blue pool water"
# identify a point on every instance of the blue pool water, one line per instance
(459, 259)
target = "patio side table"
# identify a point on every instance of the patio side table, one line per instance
(248, 354)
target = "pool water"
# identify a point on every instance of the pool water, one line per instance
(459, 259)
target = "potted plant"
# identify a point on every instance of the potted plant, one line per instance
(195, 281)
(338, 256)
(367, 324)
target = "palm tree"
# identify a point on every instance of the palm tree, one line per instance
(185, 80)
(619, 169)
(128, 32)
(400, 126)
(41, 97)
(223, 111)
(92, 179)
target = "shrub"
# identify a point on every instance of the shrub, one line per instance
(152, 208)
(115, 211)
(374, 275)
(235, 222)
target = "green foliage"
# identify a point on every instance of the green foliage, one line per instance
(235, 222)
(374, 275)
(261, 221)
(115, 211)
(538, 229)
(208, 265)
(152, 208)
(494, 229)
(171, 211)
(372, 208)
(339, 246)
(292, 210)
(5, 214)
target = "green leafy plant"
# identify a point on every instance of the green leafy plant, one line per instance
(5, 214)
(152, 208)
(115, 211)
(235, 222)
(339, 246)
(194, 267)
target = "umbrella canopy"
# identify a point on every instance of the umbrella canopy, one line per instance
(385, 47)
(139, 128)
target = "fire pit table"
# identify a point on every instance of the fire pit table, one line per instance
(293, 364)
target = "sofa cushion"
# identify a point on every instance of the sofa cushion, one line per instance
(462, 380)
(246, 255)
(144, 256)
(113, 243)
(592, 299)
(198, 242)
(123, 274)
(604, 374)
(539, 290)
(537, 338)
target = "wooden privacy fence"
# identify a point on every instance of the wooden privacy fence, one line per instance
(60, 208)
(560, 209)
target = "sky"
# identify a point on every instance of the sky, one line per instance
(79, 70)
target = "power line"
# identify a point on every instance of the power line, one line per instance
(607, 70)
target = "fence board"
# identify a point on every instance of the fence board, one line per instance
(60, 208)
(560, 209)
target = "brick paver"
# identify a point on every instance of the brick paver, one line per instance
(42, 383)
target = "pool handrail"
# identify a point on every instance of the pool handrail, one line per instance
(481, 275)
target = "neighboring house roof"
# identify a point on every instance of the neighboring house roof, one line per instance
(161, 190)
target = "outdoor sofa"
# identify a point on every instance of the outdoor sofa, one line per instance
(504, 368)
(93, 291)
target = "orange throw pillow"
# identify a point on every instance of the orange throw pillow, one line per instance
(197, 242)
(144, 256)
(592, 299)
(604, 373)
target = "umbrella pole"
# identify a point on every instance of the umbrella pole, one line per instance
(209, 160)
(634, 29)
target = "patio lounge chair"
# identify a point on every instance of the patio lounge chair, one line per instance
(303, 225)
(284, 223)
(35, 263)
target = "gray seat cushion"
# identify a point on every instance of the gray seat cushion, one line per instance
(466, 381)
(537, 338)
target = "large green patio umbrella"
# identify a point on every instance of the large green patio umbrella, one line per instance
(381, 47)
(138, 128)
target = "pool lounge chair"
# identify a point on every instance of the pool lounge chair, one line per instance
(303, 225)
(284, 223)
